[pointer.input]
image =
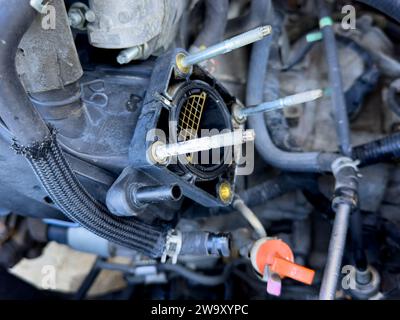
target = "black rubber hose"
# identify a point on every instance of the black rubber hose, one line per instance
(271, 154)
(335, 79)
(16, 110)
(276, 187)
(214, 23)
(254, 18)
(276, 120)
(302, 51)
(39, 145)
(388, 7)
(382, 150)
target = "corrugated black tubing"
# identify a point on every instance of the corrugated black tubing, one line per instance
(382, 150)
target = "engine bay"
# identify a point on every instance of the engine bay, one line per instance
(228, 149)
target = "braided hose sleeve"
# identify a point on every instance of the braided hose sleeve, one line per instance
(53, 170)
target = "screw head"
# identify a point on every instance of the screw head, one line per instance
(225, 192)
(179, 63)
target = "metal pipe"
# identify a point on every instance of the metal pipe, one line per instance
(335, 253)
(157, 194)
(250, 216)
(226, 46)
(127, 55)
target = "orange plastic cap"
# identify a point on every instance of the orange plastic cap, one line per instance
(279, 257)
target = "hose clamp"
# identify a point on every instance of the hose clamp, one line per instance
(346, 173)
(343, 162)
(173, 246)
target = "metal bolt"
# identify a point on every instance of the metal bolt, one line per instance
(90, 16)
(363, 277)
(129, 54)
(77, 15)
(184, 62)
(76, 18)
(285, 102)
(162, 152)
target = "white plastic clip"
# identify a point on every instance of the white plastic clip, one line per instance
(173, 246)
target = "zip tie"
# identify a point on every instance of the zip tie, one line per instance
(325, 22)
